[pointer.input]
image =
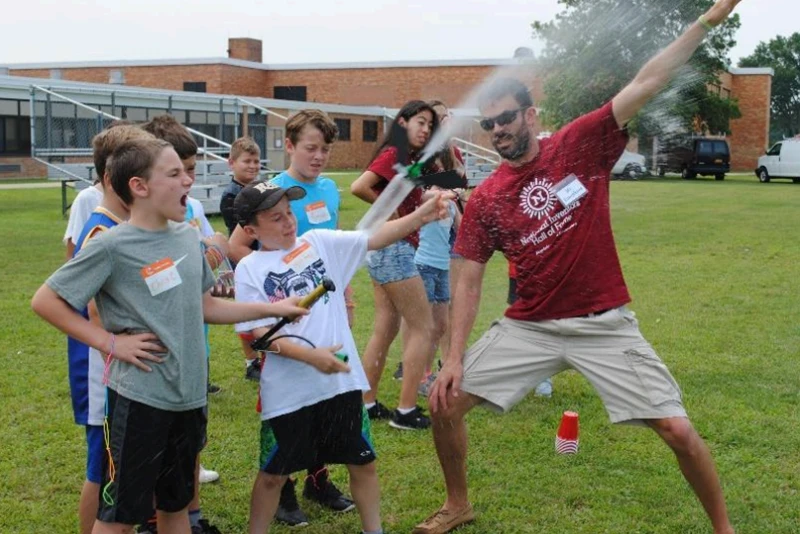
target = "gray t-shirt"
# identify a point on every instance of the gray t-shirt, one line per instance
(147, 281)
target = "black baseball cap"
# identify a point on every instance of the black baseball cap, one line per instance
(260, 196)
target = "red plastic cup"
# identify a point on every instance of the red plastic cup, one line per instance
(567, 435)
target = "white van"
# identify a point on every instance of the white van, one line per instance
(780, 161)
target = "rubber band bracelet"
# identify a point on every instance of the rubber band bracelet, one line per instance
(704, 23)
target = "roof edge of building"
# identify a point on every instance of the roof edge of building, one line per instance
(262, 66)
(752, 71)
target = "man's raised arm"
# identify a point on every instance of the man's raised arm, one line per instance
(655, 75)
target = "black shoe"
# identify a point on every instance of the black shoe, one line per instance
(398, 374)
(205, 528)
(289, 512)
(253, 371)
(318, 487)
(213, 389)
(379, 411)
(413, 420)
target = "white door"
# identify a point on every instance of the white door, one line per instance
(790, 159)
(772, 160)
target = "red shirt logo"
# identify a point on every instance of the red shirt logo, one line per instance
(537, 198)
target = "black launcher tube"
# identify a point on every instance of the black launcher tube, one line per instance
(262, 343)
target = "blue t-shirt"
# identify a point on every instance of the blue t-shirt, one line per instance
(434, 242)
(85, 365)
(319, 208)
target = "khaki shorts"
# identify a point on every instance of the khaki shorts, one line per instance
(513, 357)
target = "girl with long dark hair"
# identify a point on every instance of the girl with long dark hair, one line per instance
(399, 291)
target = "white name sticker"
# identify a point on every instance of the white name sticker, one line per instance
(318, 213)
(570, 190)
(301, 257)
(161, 276)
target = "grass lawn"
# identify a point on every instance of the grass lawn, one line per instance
(713, 270)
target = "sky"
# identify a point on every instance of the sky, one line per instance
(318, 31)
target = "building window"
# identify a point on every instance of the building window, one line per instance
(15, 135)
(116, 77)
(9, 107)
(194, 87)
(56, 74)
(370, 131)
(290, 92)
(343, 125)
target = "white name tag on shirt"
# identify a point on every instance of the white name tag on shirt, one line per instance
(318, 213)
(301, 257)
(161, 276)
(570, 190)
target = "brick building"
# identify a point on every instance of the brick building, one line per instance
(379, 85)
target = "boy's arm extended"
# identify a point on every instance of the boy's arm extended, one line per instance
(130, 349)
(436, 207)
(239, 244)
(221, 311)
(322, 358)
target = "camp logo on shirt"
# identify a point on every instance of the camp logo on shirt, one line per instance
(537, 198)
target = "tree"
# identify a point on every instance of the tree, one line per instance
(595, 47)
(783, 55)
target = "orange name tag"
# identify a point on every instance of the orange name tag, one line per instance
(301, 257)
(318, 213)
(161, 276)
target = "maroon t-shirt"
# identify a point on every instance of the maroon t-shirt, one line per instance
(565, 257)
(383, 165)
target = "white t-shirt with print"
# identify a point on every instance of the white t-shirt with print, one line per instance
(80, 211)
(268, 276)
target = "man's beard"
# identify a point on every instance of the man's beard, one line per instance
(522, 142)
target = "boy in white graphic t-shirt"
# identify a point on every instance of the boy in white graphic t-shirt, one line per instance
(311, 394)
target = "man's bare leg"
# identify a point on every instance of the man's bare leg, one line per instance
(697, 467)
(450, 438)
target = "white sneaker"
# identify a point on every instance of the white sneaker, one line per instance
(545, 389)
(207, 475)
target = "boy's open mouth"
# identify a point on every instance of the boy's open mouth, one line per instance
(183, 200)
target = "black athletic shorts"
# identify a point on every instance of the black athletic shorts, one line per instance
(333, 431)
(154, 453)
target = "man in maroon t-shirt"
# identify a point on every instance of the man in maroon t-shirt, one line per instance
(546, 208)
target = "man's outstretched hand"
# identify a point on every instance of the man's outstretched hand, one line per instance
(720, 11)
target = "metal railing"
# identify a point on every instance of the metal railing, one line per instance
(477, 151)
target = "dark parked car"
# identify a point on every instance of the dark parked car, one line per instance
(695, 155)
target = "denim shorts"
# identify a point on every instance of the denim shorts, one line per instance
(437, 283)
(394, 263)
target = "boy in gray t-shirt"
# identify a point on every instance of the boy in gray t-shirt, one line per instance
(151, 285)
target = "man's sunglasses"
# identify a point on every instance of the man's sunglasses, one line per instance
(504, 119)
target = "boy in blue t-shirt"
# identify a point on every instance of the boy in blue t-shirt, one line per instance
(310, 135)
